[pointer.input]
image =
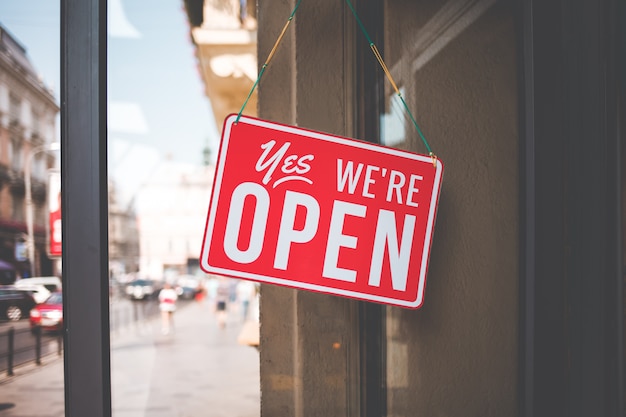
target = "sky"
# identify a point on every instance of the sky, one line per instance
(157, 109)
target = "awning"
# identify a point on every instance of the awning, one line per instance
(5, 266)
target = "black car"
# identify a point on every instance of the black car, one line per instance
(15, 303)
(143, 289)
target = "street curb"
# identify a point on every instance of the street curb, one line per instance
(116, 337)
(29, 367)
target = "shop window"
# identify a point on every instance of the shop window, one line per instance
(436, 360)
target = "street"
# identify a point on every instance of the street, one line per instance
(123, 312)
(24, 342)
(198, 370)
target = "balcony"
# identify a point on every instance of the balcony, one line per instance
(15, 126)
(226, 51)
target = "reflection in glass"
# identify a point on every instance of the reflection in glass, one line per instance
(456, 61)
(31, 349)
(176, 332)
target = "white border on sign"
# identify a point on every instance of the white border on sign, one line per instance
(230, 120)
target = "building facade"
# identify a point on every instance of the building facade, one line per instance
(226, 50)
(28, 112)
(170, 206)
(123, 236)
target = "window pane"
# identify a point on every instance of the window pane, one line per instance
(175, 331)
(455, 63)
(29, 102)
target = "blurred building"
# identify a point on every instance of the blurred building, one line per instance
(224, 32)
(28, 113)
(123, 235)
(171, 214)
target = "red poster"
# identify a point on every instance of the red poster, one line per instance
(55, 244)
(323, 213)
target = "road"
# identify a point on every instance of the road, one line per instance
(200, 369)
(24, 344)
(124, 313)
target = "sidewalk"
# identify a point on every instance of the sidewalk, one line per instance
(199, 370)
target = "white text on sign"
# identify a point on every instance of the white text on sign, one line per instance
(386, 239)
(396, 182)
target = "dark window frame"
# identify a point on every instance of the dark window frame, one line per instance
(85, 226)
(553, 324)
(370, 106)
(571, 360)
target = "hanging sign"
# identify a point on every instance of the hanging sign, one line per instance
(318, 212)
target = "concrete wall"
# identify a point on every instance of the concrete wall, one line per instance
(308, 340)
(457, 356)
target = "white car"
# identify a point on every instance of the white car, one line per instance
(40, 287)
(187, 286)
(39, 292)
(141, 289)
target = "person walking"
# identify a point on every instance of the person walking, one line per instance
(222, 297)
(167, 305)
(199, 294)
(245, 293)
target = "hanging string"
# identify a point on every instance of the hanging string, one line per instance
(391, 81)
(269, 58)
(376, 54)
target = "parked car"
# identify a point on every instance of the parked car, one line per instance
(52, 283)
(39, 292)
(41, 287)
(187, 286)
(142, 289)
(15, 304)
(49, 314)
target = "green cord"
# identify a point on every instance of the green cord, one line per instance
(375, 50)
(268, 60)
(360, 23)
(250, 93)
(419, 131)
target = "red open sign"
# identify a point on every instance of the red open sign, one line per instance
(323, 213)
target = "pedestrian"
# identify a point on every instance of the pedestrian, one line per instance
(200, 293)
(245, 293)
(167, 305)
(222, 296)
